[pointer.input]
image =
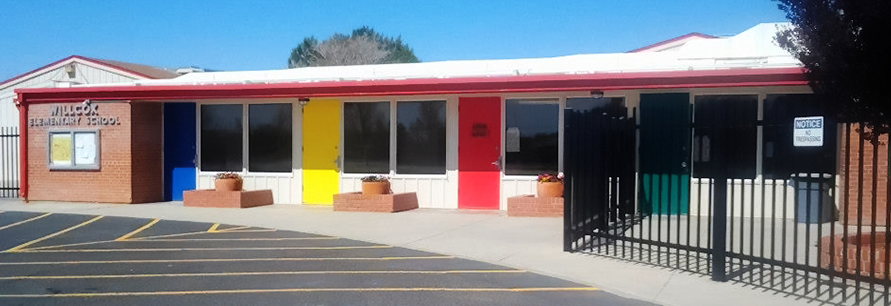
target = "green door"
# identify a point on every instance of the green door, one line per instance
(664, 153)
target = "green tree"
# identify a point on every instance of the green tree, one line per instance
(843, 44)
(363, 46)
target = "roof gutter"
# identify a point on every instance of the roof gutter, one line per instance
(426, 86)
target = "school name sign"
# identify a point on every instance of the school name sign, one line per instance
(808, 132)
(74, 115)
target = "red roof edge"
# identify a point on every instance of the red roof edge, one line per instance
(665, 42)
(97, 62)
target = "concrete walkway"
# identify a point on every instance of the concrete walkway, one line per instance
(533, 244)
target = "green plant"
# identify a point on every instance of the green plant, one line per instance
(375, 178)
(227, 175)
(545, 177)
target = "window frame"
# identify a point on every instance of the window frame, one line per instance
(392, 140)
(74, 166)
(296, 110)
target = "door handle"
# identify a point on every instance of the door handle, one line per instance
(497, 163)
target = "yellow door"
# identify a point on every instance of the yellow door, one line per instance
(321, 138)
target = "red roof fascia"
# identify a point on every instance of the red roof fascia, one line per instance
(80, 58)
(537, 83)
(665, 42)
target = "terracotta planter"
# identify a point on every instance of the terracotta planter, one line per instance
(372, 188)
(227, 184)
(550, 190)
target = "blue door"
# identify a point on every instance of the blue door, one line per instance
(179, 149)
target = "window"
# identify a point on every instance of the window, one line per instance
(531, 136)
(221, 137)
(738, 114)
(780, 158)
(366, 137)
(606, 106)
(269, 138)
(421, 137)
(73, 150)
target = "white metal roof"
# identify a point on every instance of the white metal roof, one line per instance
(753, 48)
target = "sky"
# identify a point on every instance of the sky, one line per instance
(259, 35)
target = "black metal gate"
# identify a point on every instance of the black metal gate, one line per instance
(9, 158)
(809, 223)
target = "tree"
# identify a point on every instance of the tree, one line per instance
(843, 46)
(363, 46)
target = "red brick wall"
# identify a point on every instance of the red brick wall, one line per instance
(114, 181)
(145, 146)
(856, 197)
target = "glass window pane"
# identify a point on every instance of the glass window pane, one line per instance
(739, 114)
(780, 156)
(221, 136)
(269, 137)
(535, 123)
(366, 137)
(606, 106)
(421, 137)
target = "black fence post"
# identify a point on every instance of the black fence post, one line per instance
(568, 172)
(719, 215)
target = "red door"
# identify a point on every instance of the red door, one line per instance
(479, 149)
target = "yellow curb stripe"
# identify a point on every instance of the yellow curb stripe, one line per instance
(233, 239)
(208, 249)
(137, 261)
(296, 290)
(233, 229)
(213, 228)
(25, 221)
(107, 276)
(136, 231)
(204, 233)
(23, 245)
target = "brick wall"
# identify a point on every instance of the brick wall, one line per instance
(125, 161)
(859, 196)
(145, 146)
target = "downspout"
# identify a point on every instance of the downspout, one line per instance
(23, 147)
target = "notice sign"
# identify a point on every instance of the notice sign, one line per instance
(808, 132)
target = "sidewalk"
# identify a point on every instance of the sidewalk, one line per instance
(533, 244)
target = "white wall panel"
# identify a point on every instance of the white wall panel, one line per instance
(515, 186)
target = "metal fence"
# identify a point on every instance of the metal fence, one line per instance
(808, 230)
(9, 158)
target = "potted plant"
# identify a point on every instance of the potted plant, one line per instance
(227, 181)
(375, 184)
(550, 185)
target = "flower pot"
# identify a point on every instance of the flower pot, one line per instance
(550, 190)
(372, 188)
(227, 184)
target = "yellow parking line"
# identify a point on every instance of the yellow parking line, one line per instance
(25, 221)
(23, 245)
(204, 233)
(68, 245)
(130, 234)
(137, 261)
(107, 276)
(213, 228)
(296, 290)
(234, 239)
(208, 249)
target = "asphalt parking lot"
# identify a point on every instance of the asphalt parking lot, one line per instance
(56, 259)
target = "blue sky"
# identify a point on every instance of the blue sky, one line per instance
(258, 35)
